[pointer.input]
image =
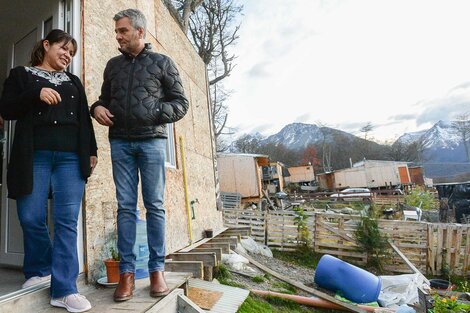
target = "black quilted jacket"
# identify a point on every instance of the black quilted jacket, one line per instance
(143, 93)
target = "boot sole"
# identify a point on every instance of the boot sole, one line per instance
(122, 299)
(160, 294)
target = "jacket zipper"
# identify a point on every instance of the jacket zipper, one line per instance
(128, 102)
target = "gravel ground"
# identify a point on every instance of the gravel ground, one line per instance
(294, 272)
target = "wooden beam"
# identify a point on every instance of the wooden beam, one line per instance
(336, 231)
(241, 232)
(202, 241)
(224, 246)
(217, 251)
(301, 286)
(208, 258)
(232, 241)
(410, 265)
(194, 267)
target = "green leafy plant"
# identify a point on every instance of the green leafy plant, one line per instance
(114, 253)
(300, 220)
(258, 279)
(419, 197)
(464, 286)
(371, 241)
(448, 305)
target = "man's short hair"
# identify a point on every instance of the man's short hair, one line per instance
(136, 17)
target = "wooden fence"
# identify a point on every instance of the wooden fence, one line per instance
(432, 248)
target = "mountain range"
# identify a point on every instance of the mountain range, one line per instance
(441, 144)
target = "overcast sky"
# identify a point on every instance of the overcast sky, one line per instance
(400, 64)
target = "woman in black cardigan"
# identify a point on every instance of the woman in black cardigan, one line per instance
(54, 152)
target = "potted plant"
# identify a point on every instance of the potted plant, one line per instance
(112, 266)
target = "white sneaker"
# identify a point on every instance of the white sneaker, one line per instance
(72, 303)
(35, 280)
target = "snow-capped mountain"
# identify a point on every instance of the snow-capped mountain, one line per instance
(441, 143)
(441, 135)
(299, 135)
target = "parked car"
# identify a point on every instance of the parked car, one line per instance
(352, 194)
(389, 192)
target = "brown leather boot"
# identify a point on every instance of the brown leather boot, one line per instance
(158, 287)
(125, 287)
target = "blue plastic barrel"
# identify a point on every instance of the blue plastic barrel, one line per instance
(141, 250)
(350, 281)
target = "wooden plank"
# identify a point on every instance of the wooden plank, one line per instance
(194, 267)
(202, 241)
(337, 232)
(467, 253)
(185, 305)
(168, 304)
(410, 265)
(208, 258)
(224, 246)
(301, 286)
(217, 251)
(233, 241)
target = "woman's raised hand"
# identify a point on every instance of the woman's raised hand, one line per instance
(50, 96)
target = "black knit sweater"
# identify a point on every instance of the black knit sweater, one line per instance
(20, 99)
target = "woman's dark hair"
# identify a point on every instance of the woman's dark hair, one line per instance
(54, 36)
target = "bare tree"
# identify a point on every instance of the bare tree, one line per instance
(219, 111)
(325, 149)
(213, 30)
(461, 126)
(409, 152)
(181, 10)
(212, 27)
(366, 129)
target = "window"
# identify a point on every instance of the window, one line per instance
(47, 26)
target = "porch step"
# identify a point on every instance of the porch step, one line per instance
(101, 298)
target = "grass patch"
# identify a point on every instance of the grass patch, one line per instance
(222, 272)
(223, 275)
(284, 287)
(258, 279)
(303, 256)
(271, 305)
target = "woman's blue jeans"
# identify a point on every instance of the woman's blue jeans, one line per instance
(57, 173)
(129, 158)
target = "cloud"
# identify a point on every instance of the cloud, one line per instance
(261, 128)
(456, 101)
(259, 70)
(351, 127)
(303, 118)
(402, 117)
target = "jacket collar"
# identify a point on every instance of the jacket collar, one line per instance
(146, 50)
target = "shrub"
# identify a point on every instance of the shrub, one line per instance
(419, 197)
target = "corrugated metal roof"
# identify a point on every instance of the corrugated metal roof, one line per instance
(230, 301)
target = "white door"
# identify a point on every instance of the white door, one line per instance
(59, 15)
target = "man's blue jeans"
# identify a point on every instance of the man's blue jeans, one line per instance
(129, 158)
(58, 172)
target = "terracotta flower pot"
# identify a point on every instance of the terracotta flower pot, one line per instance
(112, 270)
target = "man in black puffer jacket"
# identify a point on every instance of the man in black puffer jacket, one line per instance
(141, 92)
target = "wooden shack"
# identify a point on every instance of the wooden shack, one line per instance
(367, 173)
(301, 174)
(242, 173)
